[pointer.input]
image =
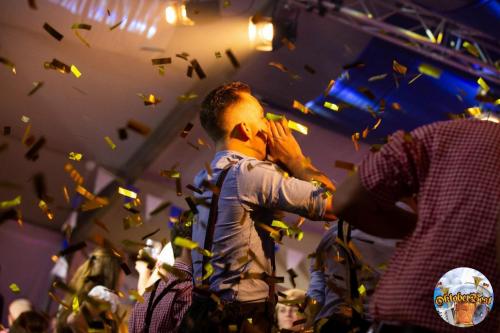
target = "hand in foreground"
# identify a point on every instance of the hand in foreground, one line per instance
(282, 145)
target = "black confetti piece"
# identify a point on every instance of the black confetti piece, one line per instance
(53, 32)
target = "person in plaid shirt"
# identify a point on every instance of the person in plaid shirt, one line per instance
(453, 170)
(167, 299)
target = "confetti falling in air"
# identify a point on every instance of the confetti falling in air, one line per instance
(197, 68)
(331, 106)
(187, 129)
(110, 142)
(232, 58)
(483, 84)
(399, 68)
(37, 85)
(81, 26)
(301, 107)
(186, 243)
(329, 87)
(9, 64)
(75, 156)
(75, 71)
(429, 70)
(53, 32)
(127, 193)
(45, 209)
(14, 288)
(161, 61)
(377, 77)
(138, 127)
(114, 26)
(472, 49)
(298, 127)
(10, 203)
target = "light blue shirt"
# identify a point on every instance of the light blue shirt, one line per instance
(253, 192)
(375, 255)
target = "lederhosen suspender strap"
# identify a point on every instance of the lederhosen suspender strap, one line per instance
(344, 234)
(152, 303)
(212, 218)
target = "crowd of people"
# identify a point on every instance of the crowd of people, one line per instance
(427, 202)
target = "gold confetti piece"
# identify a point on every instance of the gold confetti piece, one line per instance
(66, 194)
(82, 26)
(428, 70)
(53, 32)
(364, 134)
(345, 165)
(474, 111)
(25, 119)
(396, 106)
(100, 224)
(357, 64)
(110, 142)
(232, 58)
(37, 85)
(186, 130)
(310, 69)
(483, 84)
(114, 26)
(472, 49)
(279, 224)
(377, 77)
(290, 45)
(75, 156)
(362, 290)
(187, 97)
(218, 55)
(73, 173)
(273, 117)
(135, 296)
(197, 68)
(184, 242)
(331, 106)
(76, 305)
(297, 127)
(367, 92)
(9, 64)
(301, 107)
(279, 66)
(138, 127)
(209, 270)
(26, 134)
(10, 203)
(232, 328)
(84, 192)
(398, 68)
(355, 139)
(134, 220)
(149, 100)
(75, 71)
(329, 87)
(32, 154)
(161, 61)
(14, 288)
(45, 208)
(377, 124)
(57, 65)
(127, 193)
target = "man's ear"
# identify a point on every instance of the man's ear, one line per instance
(241, 131)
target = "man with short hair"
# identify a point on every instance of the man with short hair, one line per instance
(453, 169)
(249, 197)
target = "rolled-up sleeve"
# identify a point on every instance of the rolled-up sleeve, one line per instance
(262, 184)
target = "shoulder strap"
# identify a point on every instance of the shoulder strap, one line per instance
(153, 302)
(212, 217)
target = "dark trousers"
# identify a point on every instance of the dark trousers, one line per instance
(205, 315)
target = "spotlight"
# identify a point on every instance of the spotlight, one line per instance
(261, 32)
(176, 13)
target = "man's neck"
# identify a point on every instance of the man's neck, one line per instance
(238, 147)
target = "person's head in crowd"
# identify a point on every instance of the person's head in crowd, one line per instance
(235, 120)
(16, 308)
(30, 322)
(101, 268)
(288, 313)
